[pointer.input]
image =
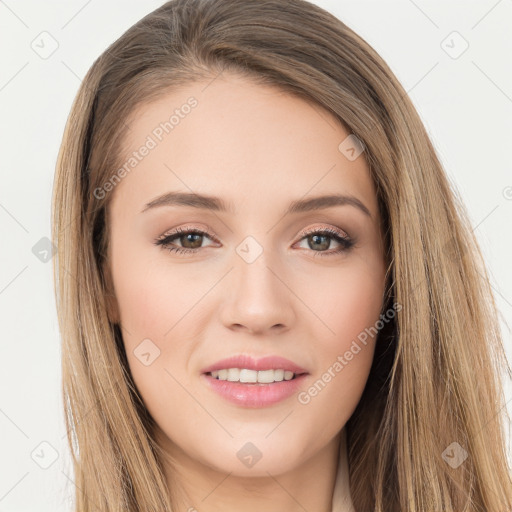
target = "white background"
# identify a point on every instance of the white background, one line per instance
(465, 103)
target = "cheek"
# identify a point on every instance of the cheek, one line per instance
(350, 304)
(152, 296)
(154, 301)
(153, 313)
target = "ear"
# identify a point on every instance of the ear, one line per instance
(110, 296)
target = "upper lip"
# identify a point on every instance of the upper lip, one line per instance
(264, 363)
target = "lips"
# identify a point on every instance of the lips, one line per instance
(248, 362)
(254, 395)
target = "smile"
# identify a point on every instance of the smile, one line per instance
(245, 375)
(254, 394)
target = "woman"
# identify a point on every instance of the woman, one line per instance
(265, 282)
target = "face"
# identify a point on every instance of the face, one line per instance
(200, 280)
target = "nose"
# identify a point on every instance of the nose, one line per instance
(258, 298)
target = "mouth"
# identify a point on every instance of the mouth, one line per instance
(254, 394)
(254, 377)
(248, 382)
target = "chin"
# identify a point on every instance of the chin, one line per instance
(256, 455)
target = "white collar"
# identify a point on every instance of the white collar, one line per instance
(341, 500)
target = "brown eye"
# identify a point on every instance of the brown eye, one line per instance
(190, 240)
(194, 239)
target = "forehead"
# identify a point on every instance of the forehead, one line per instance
(240, 140)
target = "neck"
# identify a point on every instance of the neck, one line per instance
(320, 483)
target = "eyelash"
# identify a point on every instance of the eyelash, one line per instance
(346, 243)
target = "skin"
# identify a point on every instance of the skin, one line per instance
(259, 148)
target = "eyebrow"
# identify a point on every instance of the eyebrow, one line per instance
(217, 204)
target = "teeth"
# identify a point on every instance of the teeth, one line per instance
(252, 376)
(267, 376)
(233, 374)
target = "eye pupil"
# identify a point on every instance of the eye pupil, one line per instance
(195, 245)
(315, 237)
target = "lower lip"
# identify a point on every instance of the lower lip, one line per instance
(254, 394)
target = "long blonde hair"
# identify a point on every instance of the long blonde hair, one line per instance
(435, 379)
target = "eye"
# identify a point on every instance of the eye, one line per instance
(322, 238)
(191, 240)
